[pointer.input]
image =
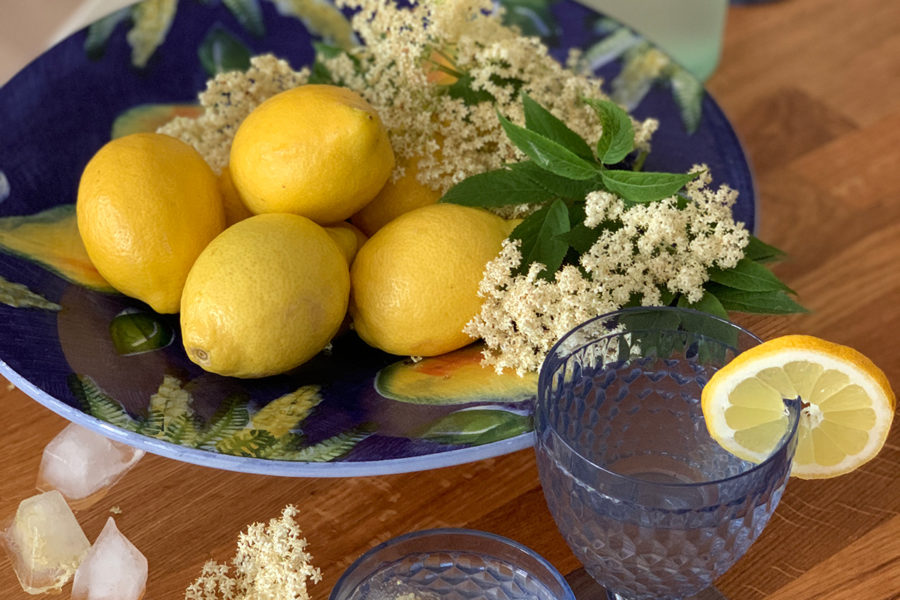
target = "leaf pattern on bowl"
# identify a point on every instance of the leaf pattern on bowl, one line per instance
(272, 432)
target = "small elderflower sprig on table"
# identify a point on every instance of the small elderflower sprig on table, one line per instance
(603, 234)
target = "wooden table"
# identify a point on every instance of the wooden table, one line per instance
(813, 89)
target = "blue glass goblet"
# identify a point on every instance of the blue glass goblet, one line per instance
(649, 503)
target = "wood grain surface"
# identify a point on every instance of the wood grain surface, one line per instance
(813, 90)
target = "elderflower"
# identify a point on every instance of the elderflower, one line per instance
(451, 138)
(659, 245)
(228, 99)
(271, 563)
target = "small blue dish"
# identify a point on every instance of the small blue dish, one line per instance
(451, 564)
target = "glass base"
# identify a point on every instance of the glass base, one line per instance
(585, 588)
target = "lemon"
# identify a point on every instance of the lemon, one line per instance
(394, 199)
(348, 237)
(320, 151)
(235, 210)
(848, 404)
(264, 297)
(147, 206)
(415, 282)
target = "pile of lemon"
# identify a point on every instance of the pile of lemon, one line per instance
(261, 261)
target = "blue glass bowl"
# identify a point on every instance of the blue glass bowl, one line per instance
(451, 564)
(57, 112)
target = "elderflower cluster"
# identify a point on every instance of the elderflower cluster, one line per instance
(395, 70)
(271, 563)
(403, 49)
(649, 247)
(227, 100)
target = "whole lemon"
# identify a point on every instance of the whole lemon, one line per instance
(320, 151)
(415, 282)
(264, 297)
(147, 206)
(348, 237)
(394, 199)
(234, 207)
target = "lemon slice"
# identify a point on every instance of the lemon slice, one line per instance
(848, 404)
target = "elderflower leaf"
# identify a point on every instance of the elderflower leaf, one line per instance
(548, 154)
(541, 239)
(760, 251)
(768, 302)
(617, 139)
(708, 304)
(640, 187)
(501, 187)
(749, 276)
(221, 52)
(462, 89)
(558, 186)
(540, 120)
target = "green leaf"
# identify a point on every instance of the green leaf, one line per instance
(321, 75)
(99, 404)
(644, 186)
(476, 426)
(708, 303)
(540, 235)
(540, 120)
(100, 31)
(462, 90)
(768, 302)
(18, 295)
(220, 52)
(248, 14)
(559, 187)
(548, 154)
(762, 252)
(617, 139)
(649, 321)
(497, 188)
(710, 329)
(135, 331)
(749, 276)
(582, 238)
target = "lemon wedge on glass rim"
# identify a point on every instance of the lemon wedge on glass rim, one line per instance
(847, 404)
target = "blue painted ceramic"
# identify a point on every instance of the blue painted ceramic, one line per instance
(60, 109)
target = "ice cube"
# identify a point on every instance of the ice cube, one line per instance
(82, 464)
(113, 569)
(45, 543)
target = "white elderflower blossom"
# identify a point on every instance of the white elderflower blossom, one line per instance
(452, 139)
(228, 99)
(670, 244)
(271, 563)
